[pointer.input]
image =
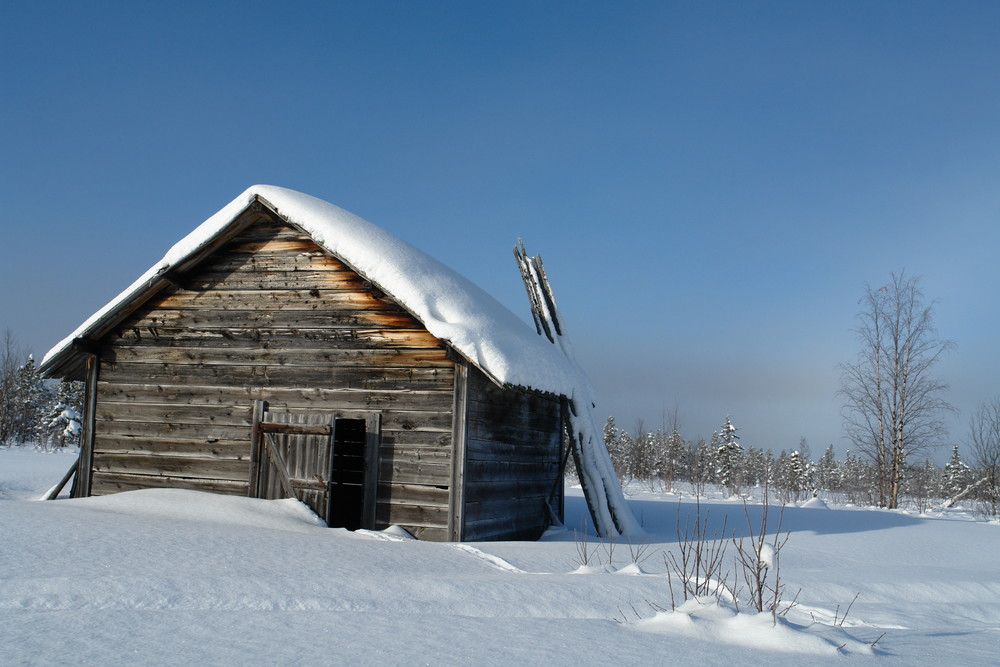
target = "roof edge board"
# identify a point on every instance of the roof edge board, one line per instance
(163, 278)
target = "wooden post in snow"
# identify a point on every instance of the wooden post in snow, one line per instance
(601, 489)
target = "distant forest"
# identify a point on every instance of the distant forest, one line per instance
(666, 461)
(33, 410)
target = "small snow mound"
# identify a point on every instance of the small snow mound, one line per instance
(187, 505)
(399, 533)
(816, 503)
(706, 620)
(631, 568)
(491, 560)
(393, 533)
(590, 569)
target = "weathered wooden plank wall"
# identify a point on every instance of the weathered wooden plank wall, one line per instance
(272, 316)
(512, 457)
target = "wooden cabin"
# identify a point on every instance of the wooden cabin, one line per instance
(287, 347)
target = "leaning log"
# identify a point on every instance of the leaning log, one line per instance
(53, 493)
(962, 494)
(605, 500)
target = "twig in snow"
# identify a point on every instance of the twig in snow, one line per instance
(846, 611)
(670, 585)
(638, 552)
(793, 603)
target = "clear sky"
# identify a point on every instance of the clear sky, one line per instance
(711, 184)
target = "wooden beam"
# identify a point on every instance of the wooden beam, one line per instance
(456, 500)
(256, 453)
(274, 456)
(85, 464)
(53, 493)
(294, 429)
(86, 345)
(373, 442)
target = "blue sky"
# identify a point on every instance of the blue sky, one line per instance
(710, 184)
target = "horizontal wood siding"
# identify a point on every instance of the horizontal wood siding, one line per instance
(272, 316)
(511, 461)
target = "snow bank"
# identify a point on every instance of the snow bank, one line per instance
(168, 578)
(186, 505)
(712, 622)
(449, 305)
(26, 472)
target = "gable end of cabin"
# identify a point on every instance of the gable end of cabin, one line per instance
(268, 315)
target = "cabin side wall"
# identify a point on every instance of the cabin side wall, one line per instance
(512, 461)
(272, 316)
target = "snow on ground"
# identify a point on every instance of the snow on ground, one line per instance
(27, 473)
(177, 577)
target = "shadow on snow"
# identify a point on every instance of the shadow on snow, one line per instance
(660, 519)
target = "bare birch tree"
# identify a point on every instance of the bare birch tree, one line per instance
(10, 357)
(984, 436)
(893, 405)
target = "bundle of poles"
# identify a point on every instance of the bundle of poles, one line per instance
(603, 493)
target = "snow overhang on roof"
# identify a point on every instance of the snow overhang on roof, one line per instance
(452, 308)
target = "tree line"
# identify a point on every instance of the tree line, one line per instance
(663, 460)
(32, 410)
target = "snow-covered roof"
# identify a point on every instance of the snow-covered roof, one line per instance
(450, 306)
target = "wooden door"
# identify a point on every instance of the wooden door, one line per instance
(328, 462)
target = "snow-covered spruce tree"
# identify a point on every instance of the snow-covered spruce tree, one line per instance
(657, 455)
(699, 468)
(804, 451)
(673, 459)
(893, 405)
(798, 477)
(618, 449)
(957, 475)
(61, 425)
(26, 404)
(647, 454)
(728, 458)
(781, 478)
(827, 473)
(859, 481)
(772, 470)
(610, 431)
(625, 446)
(633, 457)
(935, 479)
(921, 483)
(755, 467)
